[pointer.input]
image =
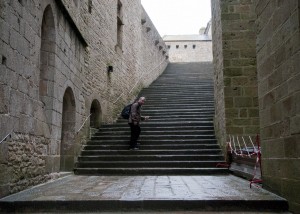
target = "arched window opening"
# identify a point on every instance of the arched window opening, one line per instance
(68, 132)
(47, 63)
(95, 111)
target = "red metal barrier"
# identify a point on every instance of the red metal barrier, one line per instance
(255, 180)
(248, 156)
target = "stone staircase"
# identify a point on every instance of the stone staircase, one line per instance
(173, 172)
(177, 140)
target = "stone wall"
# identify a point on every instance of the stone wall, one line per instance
(190, 51)
(274, 43)
(218, 61)
(235, 68)
(278, 63)
(55, 57)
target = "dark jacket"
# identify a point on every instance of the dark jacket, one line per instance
(135, 113)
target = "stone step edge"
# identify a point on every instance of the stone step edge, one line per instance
(144, 205)
(152, 156)
(153, 169)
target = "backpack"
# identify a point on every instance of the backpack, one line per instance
(126, 111)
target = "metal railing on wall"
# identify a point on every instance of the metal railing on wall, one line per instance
(9, 134)
(83, 123)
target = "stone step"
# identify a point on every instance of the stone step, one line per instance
(179, 84)
(179, 81)
(181, 115)
(151, 171)
(183, 119)
(188, 95)
(182, 112)
(149, 123)
(157, 118)
(161, 132)
(178, 88)
(174, 96)
(152, 147)
(125, 151)
(122, 123)
(167, 101)
(199, 111)
(183, 99)
(156, 137)
(180, 105)
(138, 157)
(113, 128)
(178, 96)
(172, 108)
(154, 142)
(147, 164)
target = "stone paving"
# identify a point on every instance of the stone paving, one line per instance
(73, 187)
(144, 188)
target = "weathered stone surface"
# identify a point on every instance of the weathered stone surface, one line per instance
(48, 49)
(274, 108)
(238, 52)
(158, 194)
(277, 26)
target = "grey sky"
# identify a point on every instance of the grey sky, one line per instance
(178, 17)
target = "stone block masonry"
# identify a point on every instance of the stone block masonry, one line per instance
(54, 60)
(256, 57)
(190, 51)
(218, 61)
(235, 68)
(278, 58)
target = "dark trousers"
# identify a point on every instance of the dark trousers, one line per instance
(135, 133)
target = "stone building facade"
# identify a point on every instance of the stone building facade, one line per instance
(66, 66)
(256, 48)
(190, 48)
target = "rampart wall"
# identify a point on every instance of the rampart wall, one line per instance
(61, 61)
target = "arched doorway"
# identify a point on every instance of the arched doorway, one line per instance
(68, 132)
(95, 111)
(47, 63)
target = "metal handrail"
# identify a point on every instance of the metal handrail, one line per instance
(9, 134)
(83, 123)
(138, 81)
(4, 139)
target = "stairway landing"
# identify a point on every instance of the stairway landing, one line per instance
(144, 193)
